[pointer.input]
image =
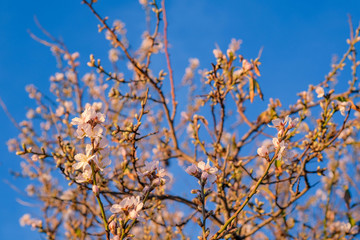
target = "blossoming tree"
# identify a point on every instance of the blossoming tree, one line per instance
(100, 153)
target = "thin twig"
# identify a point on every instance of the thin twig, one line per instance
(8, 114)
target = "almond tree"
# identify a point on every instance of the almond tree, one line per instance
(100, 153)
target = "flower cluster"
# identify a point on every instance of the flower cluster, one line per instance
(33, 222)
(89, 123)
(129, 207)
(189, 71)
(280, 145)
(154, 173)
(280, 125)
(203, 171)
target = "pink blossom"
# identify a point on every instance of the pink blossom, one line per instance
(149, 171)
(280, 125)
(192, 170)
(95, 190)
(293, 122)
(161, 178)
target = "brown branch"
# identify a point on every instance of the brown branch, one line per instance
(168, 61)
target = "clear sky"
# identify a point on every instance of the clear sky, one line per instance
(299, 39)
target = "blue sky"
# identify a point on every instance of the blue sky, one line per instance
(299, 39)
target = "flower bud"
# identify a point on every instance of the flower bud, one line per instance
(112, 227)
(194, 191)
(95, 190)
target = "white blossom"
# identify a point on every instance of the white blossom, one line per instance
(30, 114)
(194, 63)
(83, 159)
(85, 176)
(88, 123)
(57, 78)
(114, 55)
(35, 157)
(234, 45)
(68, 195)
(246, 66)
(161, 178)
(154, 173)
(89, 79)
(192, 170)
(203, 171)
(217, 53)
(279, 145)
(343, 107)
(71, 76)
(60, 111)
(149, 168)
(320, 92)
(27, 220)
(293, 122)
(280, 125)
(130, 207)
(102, 163)
(263, 151)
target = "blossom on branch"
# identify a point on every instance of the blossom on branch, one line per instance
(86, 175)
(279, 145)
(280, 125)
(156, 175)
(88, 123)
(203, 171)
(343, 107)
(83, 159)
(102, 163)
(33, 222)
(320, 92)
(263, 151)
(130, 207)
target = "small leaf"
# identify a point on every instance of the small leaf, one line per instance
(351, 220)
(259, 90)
(78, 232)
(347, 197)
(251, 89)
(342, 99)
(256, 68)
